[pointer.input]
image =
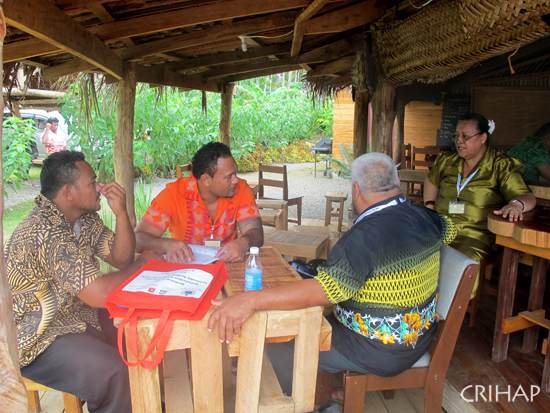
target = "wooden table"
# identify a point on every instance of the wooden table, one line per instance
(297, 244)
(257, 386)
(532, 236)
(411, 176)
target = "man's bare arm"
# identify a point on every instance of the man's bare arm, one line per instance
(545, 171)
(235, 310)
(252, 235)
(149, 237)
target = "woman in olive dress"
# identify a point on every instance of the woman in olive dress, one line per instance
(474, 181)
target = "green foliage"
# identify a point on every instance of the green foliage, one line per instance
(16, 160)
(170, 127)
(14, 215)
(343, 166)
(296, 152)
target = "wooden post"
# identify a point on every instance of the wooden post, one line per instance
(123, 149)
(360, 123)
(399, 136)
(225, 115)
(383, 109)
(13, 396)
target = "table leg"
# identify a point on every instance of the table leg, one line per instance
(306, 359)
(249, 371)
(315, 164)
(536, 297)
(144, 383)
(505, 304)
(206, 365)
(545, 384)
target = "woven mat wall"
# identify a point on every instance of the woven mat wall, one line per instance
(447, 37)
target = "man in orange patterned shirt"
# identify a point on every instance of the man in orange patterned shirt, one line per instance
(211, 206)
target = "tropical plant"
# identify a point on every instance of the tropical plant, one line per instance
(16, 159)
(343, 166)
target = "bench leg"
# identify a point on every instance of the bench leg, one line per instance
(354, 393)
(34, 401)
(72, 403)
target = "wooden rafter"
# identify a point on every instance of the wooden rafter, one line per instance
(61, 31)
(210, 35)
(260, 73)
(190, 17)
(332, 67)
(298, 36)
(159, 76)
(68, 68)
(346, 19)
(27, 48)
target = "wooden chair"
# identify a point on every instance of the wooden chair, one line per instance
(71, 403)
(274, 213)
(406, 156)
(424, 158)
(283, 184)
(456, 280)
(180, 169)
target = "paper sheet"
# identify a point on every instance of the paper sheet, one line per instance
(203, 254)
(182, 283)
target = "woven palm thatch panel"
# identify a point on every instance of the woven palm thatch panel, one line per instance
(448, 37)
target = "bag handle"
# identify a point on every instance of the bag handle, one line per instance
(159, 340)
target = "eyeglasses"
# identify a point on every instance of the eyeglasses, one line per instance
(464, 137)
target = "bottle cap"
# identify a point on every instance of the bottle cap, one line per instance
(254, 250)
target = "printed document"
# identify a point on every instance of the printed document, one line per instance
(182, 283)
(203, 254)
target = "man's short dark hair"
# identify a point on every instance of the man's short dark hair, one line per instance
(205, 160)
(53, 120)
(59, 169)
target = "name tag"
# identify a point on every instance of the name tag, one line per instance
(212, 243)
(457, 207)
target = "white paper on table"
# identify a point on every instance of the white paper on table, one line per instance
(203, 254)
(181, 283)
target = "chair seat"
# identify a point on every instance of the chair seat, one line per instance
(280, 197)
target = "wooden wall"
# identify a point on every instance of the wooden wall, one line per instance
(517, 112)
(422, 120)
(342, 122)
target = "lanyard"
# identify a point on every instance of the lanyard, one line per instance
(379, 208)
(460, 188)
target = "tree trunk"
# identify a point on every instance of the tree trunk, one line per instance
(383, 109)
(399, 136)
(13, 396)
(225, 115)
(123, 149)
(360, 123)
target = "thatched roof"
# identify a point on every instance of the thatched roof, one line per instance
(201, 44)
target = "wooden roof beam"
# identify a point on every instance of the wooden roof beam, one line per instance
(228, 57)
(245, 68)
(298, 35)
(210, 35)
(61, 31)
(68, 68)
(191, 17)
(158, 76)
(332, 67)
(346, 19)
(16, 51)
(260, 73)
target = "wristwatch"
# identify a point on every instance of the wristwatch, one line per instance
(521, 202)
(429, 203)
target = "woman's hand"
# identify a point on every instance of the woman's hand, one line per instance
(513, 211)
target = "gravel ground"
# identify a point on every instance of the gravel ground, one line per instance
(300, 182)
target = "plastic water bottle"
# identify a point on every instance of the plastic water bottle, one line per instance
(253, 271)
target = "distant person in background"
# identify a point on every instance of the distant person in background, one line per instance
(54, 138)
(532, 151)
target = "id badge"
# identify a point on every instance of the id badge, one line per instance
(457, 207)
(209, 242)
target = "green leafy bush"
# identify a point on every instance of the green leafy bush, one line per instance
(16, 161)
(297, 152)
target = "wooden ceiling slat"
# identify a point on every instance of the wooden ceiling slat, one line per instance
(192, 16)
(210, 35)
(261, 73)
(27, 48)
(158, 76)
(68, 68)
(346, 19)
(332, 51)
(61, 31)
(251, 67)
(228, 57)
(332, 67)
(313, 8)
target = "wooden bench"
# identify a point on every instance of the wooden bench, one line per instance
(71, 403)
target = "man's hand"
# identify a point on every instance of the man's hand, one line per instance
(178, 251)
(116, 197)
(49, 126)
(231, 315)
(513, 211)
(147, 256)
(233, 251)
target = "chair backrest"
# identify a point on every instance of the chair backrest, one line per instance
(180, 169)
(457, 276)
(282, 183)
(406, 156)
(424, 157)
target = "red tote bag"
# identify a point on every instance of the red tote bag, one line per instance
(131, 305)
